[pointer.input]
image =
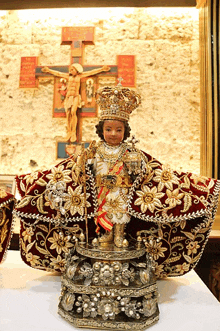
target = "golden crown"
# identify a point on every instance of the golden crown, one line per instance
(117, 102)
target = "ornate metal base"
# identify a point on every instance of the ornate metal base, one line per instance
(109, 288)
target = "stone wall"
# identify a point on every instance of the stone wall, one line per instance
(166, 44)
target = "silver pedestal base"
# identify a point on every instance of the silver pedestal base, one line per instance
(108, 288)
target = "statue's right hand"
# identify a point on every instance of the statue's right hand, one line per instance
(45, 69)
(106, 68)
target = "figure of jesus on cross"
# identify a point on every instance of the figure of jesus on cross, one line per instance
(72, 99)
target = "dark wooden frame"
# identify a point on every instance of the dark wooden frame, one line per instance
(32, 4)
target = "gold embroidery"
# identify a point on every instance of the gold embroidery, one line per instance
(45, 246)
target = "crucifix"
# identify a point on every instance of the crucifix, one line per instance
(71, 103)
(75, 85)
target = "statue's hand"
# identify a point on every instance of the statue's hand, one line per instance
(45, 69)
(106, 68)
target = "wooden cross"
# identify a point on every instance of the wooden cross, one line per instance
(78, 38)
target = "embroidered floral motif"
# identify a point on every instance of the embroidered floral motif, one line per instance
(192, 247)
(27, 234)
(75, 202)
(155, 250)
(194, 193)
(174, 198)
(115, 204)
(149, 198)
(174, 248)
(48, 246)
(58, 263)
(182, 268)
(166, 178)
(59, 174)
(32, 259)
(60, 243)
(30, 178)
(159, 271)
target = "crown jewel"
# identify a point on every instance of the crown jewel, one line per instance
(117, 102)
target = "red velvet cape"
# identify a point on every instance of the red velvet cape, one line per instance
(175, 209)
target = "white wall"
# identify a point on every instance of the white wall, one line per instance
(166, 44)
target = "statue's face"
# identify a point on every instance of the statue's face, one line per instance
(113, 132)
(72, 70)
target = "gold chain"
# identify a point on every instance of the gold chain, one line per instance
(111, 157)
